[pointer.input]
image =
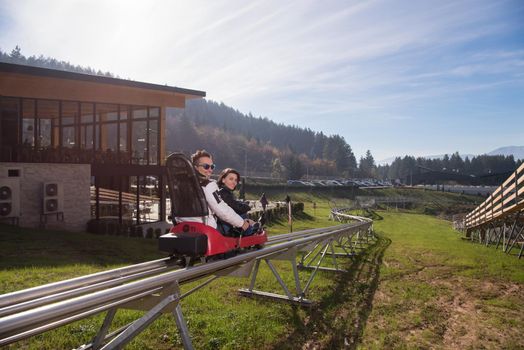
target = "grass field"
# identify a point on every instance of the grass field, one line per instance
(438, 291)
(420, 286)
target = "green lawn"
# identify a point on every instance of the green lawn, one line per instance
(419, 286)
(217, 316)
(440, 291)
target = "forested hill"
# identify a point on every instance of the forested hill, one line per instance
(301, 140)
(257, 145)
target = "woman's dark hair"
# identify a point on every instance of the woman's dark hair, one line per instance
(225, 173)
(199, 154)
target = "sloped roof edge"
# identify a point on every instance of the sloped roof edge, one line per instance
(55, 73)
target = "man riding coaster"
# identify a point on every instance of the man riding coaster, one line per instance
(203, 163)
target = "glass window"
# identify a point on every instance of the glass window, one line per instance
(86, 113)
(154, 112)
(45, 129)
(110, 137)
(96, 141)
(123, 112)
(69, 114)
(107, 112)
(139, 146)
(123, 136)
(28, 122)
(139, 112)
(86, 136)
(47, 122)
(87, 140)
(68, 136)
(153, 142)
(9, 127)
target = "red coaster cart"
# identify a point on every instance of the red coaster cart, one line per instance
(194, 239)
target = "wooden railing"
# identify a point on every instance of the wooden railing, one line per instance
(507, 199)
(112, 196)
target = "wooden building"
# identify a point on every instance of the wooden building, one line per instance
(114, 126)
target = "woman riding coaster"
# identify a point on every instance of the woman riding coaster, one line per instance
(203, 163)
(227, 182)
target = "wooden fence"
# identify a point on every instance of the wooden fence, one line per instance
(112, 196)
(506, 200)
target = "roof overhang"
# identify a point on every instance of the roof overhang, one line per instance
(35, 82)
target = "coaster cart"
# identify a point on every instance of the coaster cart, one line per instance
(193, 240)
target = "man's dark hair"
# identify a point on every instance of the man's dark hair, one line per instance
(199, 154)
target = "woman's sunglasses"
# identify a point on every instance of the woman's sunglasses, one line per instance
(207, 166)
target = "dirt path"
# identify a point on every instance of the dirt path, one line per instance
(433, 308)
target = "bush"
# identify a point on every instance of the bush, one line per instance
(149, 232)
(139, 231)
(132, 231)
(111, 228)
(93, 226)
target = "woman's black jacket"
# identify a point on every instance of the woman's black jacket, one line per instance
(227, 196)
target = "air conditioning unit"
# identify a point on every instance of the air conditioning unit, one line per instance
(9, 197)
(53, 198)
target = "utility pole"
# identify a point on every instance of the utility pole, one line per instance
(245, 161)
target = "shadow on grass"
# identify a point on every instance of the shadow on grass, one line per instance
(30, 247)
(303, 216)
(374, 215)
(339, 319)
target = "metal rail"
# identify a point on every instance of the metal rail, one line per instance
(155, 286)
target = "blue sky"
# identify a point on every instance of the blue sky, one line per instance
(394, 77)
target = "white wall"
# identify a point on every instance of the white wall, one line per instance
(75, 180)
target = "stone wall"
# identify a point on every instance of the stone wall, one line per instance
(75, 181)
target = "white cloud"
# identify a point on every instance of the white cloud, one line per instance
(289, 61)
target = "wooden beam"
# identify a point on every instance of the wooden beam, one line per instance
(21, 85)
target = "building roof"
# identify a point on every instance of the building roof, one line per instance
(60, 74)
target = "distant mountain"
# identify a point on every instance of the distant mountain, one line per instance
(516, 151)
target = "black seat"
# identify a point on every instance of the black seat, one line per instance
(187, 197)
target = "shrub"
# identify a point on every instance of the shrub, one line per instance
(149, 232)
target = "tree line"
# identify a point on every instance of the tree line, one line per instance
(482, 169)
(16, 57)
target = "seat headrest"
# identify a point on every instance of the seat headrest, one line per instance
(187, 197)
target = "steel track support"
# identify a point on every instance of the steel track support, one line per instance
(291, 256)
(173, 298)
(327, 249)
(346, 243)
(182, 327)
(501, 237)
(514, 239)
(139, 325)
(513, 235)
(100, 337)
(489, 232)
